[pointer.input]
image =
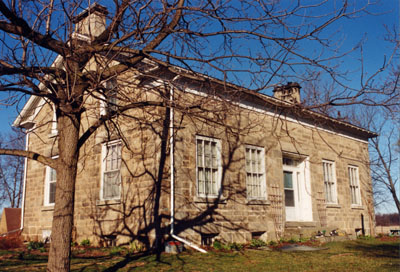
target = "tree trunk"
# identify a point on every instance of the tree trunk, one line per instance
(158, 191)
(394, 195)
(60, 246)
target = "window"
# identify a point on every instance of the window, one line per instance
(109, 104)
(111, 178)
(208, 166)
(329, 181)
(111, 95)
(289, 189)
(354, 185)
(50, 186)
(255, 172)
(290, 161)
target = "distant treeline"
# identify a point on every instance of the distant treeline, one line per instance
(388, 219)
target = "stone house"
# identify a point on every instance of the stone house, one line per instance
(215, 161)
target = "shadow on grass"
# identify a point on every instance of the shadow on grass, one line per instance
(128, 259)
(381, 250)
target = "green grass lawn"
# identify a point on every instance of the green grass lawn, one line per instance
(360, 255)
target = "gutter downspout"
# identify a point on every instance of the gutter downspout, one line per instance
(24, 182)
(172, 175)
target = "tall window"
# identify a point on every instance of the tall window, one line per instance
(109, 104)
(354, 185)
(111, 178)
(111, 95)
(255, 172)
(208, 166)
(50, 186)
(329, 181)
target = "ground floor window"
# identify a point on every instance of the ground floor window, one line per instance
(111, 176)
(208, 166)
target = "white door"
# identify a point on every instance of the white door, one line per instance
(297, 190)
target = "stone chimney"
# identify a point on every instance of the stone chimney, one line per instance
(91, 22)
(289, 92)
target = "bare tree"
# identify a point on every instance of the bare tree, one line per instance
(12, 169)
(48, 53)
(384, 166)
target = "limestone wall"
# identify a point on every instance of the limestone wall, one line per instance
(145, 189)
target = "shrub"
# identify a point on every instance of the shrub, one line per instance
(217, 245)
(233, 246)
(366, 237)
(257, 243)
(229, 246)
(303, 240)
(272, 243)
(8, 242)
(135, 246)
(35, 245)
(85, 243)
(236, 246)
(115, 251)
(292, 240)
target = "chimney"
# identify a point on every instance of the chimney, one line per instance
(91, 22)
(289, 92)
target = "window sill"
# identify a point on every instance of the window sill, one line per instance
(47, 208)
(296, 224)
(210, 200)
(357, 207)
(53, 135)
(108, 202)
(257, 202)
(333, 205)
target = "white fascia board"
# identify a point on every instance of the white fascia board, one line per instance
(34, 103)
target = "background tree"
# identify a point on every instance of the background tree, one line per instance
(11, 170)
(384, 161)
(251, 43)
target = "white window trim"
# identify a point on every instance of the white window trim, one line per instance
(103, 105)
(219, 163)
(103, 166)
(263, 180)
(54, 130)
(334, 189)
(358, 192)
(47, 187)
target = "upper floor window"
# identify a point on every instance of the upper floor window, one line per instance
(50, 186)
(329, 181)
(209, 167)
(354, 185)
(255, 172)
(111, 165)
(109, 104)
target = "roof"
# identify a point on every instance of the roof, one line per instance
(297, 111)
(13, 218)
(284, 108)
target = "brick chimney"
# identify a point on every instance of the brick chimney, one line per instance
(91, 22)
(289, 92)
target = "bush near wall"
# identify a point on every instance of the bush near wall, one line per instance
(12, 240)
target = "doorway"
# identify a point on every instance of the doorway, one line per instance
(297, 189)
